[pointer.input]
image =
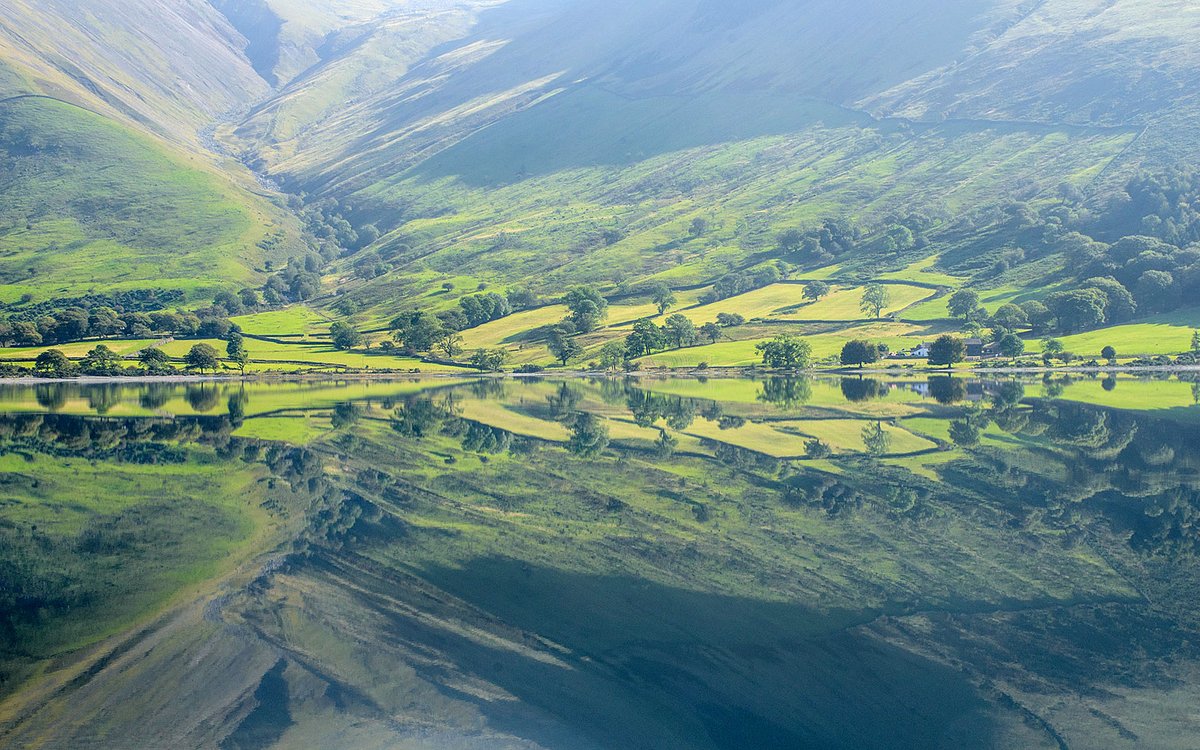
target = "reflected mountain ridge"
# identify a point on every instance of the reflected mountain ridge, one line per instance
(786, 562)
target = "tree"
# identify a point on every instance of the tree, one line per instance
(875, 439)
(450, 343)
(645, 338)
(785, 352)
(875, 298)
(52, 363)
(859, 352)
(587, 308)
(791, 240)
(1038, 315)
(816, 449)
(1196, 341)
(489, 360)
(662, 297)
(712, 332)
(612, 355)
(1156, 291)
(1110, 353)
(698, 227)
(730, 320)
(1010, 345)
(235, 351)
(1119, 303)
(202, 357)
(816, 290)
(416, 331)
(964, 304)
(154, 360)
(1052, 348)
(947, 351)
(681, 331)
(1078, 309)
(101, 361)
(344, 337)
(1010, 316)
(563, 347)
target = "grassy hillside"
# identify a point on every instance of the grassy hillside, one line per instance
(170, 68)
(88, 205)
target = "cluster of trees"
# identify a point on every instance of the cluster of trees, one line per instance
(734, 284)
(832, 238)
(419, 332)
(77, 324)
(104, 362)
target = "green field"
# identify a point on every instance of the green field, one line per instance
(787, 301)
(297, 320)
(89, 205)
(1166, 334)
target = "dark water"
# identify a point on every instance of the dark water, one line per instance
(780, 563)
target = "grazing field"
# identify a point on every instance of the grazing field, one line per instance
(787, 301)
(846, 435)
(923, 272)
(989, 299)
(507, 331)
(1170, 334)
(743, 353)
(297, 320)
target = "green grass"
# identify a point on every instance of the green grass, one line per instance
(787, 301)
(296, 320)
(747, 189)
(91, 206)
(923, 271)
(135, 536)
(1166, 334)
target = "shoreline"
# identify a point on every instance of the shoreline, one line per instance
(713, 372)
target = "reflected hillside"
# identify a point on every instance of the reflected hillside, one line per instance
(596, 563)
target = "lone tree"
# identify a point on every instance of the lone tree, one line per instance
(202, 357)
(1010, 345)
(489, 360)
(235, 350)
(154, 360)
(54, 364)
(450, 343)
(101, 361)
(588, 307)
(343, 336)
(712, 332)
(947, 351)
(964, 304)
(564, 348)
(1052, 348)
(859, 352)
(1109, 354)
(875, 298)
(816, 290)
(662, 297)
(681, 331)
(785, 352)
(1196, 341)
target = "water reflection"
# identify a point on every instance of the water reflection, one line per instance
(611, 562)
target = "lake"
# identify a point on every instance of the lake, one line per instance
(776, 563)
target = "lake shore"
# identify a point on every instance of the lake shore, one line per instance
(712, 372)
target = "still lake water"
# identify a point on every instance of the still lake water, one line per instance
(776, 563)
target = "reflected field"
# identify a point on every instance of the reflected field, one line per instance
(783, 562)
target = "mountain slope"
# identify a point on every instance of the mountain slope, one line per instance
(504, 155)
(88, 205)
(109, 183)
